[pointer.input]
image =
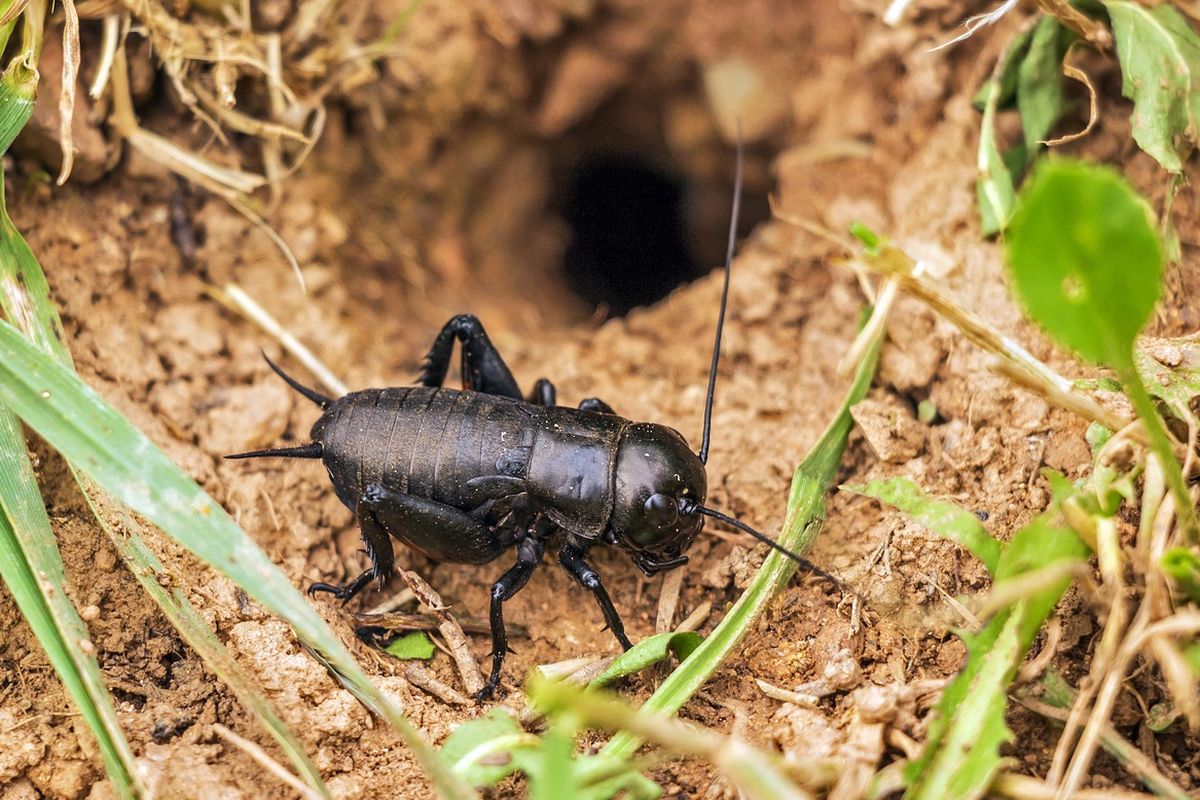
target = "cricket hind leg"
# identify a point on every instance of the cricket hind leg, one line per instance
(483, 368)
(378, 544)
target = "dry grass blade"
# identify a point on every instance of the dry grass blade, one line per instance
(110, 39)
(233, 185)
(1091, 30)
(1075, 73)
(265, 761)
(1129, 756)
(66, 97)
(977, 23)
(1022, 787)
(235, 298)
(13, 11)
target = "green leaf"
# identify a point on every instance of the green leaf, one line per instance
(1039, 544)
(647, 652)
(1061, 488)
(18, 90)
(869, 238)
(412, 646)
(555, 776)
(941, 517)
(487, 750)
(994, 184)
(1161, 716)
(754, 774)
(1160, 70)
(1184, 568)
(75, 420)
(1085, 260)
(1040, 96)
(1006, 73)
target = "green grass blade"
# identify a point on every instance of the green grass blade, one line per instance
(18, 87)
(30, 562)
(756, 774)
(32, 569)
(961, 756)
(79, 423)
(942, 517)
(25, 297)
(805, 517)
(994, 183)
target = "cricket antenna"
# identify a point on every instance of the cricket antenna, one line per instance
(762, 537)
(716, 353)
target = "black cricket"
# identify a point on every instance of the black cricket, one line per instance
(464, 475)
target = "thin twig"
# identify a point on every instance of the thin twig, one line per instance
(452, 632)
(265, 761)
(787, 695)
(668, 599)
(395, 602)
(694, 620)
(236, 299)
(1023, 787)
(423, 679)
(397, 621)
(1130, 757)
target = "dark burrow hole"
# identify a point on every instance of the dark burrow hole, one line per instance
(638, 229)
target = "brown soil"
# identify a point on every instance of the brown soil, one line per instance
(445, 209)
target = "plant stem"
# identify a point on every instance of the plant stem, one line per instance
(1160, 441)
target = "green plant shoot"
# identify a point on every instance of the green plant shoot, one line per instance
(1086, 263)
